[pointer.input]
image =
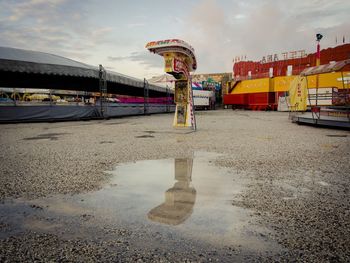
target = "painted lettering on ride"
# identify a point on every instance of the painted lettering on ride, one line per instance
(167, 42)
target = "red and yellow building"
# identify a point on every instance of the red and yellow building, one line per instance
(258, 85)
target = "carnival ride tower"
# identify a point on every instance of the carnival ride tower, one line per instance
(179, 61)
(179, 199)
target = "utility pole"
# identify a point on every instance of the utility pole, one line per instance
(318, 53)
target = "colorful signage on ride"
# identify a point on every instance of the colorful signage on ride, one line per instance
(175, 46)
(176, 64)
(179, 61)
(169, 42)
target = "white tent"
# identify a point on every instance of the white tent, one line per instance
(165, 80)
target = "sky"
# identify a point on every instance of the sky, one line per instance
(114, 33)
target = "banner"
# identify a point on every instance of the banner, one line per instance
(298, 94)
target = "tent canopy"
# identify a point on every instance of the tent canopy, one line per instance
(162, 78)
(33, 69)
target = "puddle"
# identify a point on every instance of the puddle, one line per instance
(179, 199)
(150, 132)
(46, 136)
(115, 123)
(104, 142)
(337, 135)
(144, 136)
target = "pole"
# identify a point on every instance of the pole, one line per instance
(145, 97)
(103, 91)
(101, 88)
(318, 61)
(318, 54)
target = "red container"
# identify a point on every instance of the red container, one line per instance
(253, 101)
(262, 101)
(235, 99)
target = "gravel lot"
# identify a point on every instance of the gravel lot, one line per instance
(297, 182)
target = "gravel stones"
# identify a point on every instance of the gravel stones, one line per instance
(297, 181)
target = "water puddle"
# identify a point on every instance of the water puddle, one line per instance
(337, 135)
(144, 136)
(46, 136)
(170, 199)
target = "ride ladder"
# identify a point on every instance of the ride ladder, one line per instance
(193, 116)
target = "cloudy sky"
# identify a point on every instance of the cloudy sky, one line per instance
(114, 33)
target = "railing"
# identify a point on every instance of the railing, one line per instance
(328, 97)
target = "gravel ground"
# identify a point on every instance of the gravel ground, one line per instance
(298, 180)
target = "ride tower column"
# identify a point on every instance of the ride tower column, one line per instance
(179, 61)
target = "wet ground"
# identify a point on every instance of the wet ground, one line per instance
(247, 186)
(187, 200)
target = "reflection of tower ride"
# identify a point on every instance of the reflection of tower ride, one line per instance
(179, 61)
(180, 199)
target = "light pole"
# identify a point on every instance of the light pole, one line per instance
(318, 62)
(318, 53)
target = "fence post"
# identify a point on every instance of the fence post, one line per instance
(145, 97)
(103, 91)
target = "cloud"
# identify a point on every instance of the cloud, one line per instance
(258, 28)
(132, 25)
(239, 16)
(143, 57)
(71, 29)
(208, 31)
(56, 26)
(218, 30)
(34, 7)
(177, 20)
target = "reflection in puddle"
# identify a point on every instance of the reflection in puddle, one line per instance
(180, 199)
(183, 199)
